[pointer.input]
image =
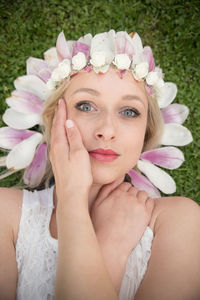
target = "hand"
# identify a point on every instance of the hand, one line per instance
(120, 216)
(69, 159)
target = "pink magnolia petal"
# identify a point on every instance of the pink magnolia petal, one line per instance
(10, 137)
(88, 68)
(147, 53)
(80, 47)
(38, 67)
(149, 90)
(124, 44)
(25, 102)
(27, 95)
(167, 157)
(62, 48)
(51, 57)
(142, 183)
(35, 171)
(122, 73)
(175, 113)
(33, 84)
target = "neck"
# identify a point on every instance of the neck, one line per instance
(95, 188)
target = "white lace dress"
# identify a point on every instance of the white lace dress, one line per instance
(36, 252)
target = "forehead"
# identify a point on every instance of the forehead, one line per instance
(107, 84)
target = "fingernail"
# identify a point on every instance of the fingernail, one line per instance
(69, 123)
(59, 101)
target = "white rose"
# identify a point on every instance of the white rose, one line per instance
(64, 68)
(98, 59)
(152, 78)
(122, 61)
(50, 84)
(79, 61)
(141, 70)
(103, 69)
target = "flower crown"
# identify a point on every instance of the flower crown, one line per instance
(125, 52)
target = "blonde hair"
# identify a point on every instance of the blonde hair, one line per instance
(151, 140)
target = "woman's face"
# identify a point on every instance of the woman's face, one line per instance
(111, 113)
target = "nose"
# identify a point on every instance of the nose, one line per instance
(106, 129)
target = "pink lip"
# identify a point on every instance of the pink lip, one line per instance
(104, 151)
(104, 155)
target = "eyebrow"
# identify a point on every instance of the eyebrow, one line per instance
(96, 93)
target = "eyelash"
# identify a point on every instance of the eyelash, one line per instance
(135, 111)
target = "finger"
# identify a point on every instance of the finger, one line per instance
(150, 204)
(106, 190)
(133, 191)
(142, 196)
(125, 186)
(73, 136)
(58, 132)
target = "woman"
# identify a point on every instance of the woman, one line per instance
(114, 240)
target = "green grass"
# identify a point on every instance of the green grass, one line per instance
(171, 28)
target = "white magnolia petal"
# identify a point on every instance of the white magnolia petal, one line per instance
(22, 154)
(176, 135)
(33, 84)
(166, 94)
(124, 44)
(51, 57)
(86, 39)
(175, 113)
(19, 120)
(138, 48)
(2, 161)
(163, 181)
(104, 42)
(7, 173)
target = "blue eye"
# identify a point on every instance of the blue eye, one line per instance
(131, 113)
(84, 106)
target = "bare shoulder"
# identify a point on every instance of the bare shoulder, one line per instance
(177, 208)
(174, 266)
(10, 209)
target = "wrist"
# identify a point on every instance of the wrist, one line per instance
(115, 261)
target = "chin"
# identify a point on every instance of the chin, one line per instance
(103, 177)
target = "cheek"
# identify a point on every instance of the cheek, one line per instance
(134, 140)
(84, 129)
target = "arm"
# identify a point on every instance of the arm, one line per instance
(8, 265)
(174, 266)
(81, 273)
(120, 215)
